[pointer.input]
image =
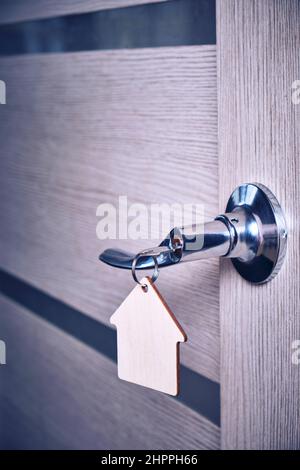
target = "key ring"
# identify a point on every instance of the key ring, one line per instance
(145, 254)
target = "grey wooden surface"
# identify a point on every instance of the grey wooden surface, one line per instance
(20, 10)
(81, 129)
(56, 392)
(259, 140)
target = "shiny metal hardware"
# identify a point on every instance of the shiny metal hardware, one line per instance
(252, 232)
(154, 254)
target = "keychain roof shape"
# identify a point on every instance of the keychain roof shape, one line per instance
(148, 337)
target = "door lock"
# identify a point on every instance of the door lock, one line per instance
(252, 232)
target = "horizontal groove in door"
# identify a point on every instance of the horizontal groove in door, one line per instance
(172, 23)
(81, 129)
(20, 10)
(56, 392)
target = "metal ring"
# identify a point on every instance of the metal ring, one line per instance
(155, 272)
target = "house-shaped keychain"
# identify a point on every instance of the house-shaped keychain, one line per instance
(148, 337)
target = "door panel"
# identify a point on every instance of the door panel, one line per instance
(82, 129)
(259, 140)
(186, 124)
(71, 397)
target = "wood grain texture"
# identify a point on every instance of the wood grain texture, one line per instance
(81, 129)
(57, 393)
(259, 138)
(20, 10)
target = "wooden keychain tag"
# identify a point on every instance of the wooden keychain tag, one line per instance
(148, 337)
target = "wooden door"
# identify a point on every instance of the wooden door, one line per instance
(128, 114)
(142, 101)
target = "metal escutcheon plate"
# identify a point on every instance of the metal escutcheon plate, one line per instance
(263, 205)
